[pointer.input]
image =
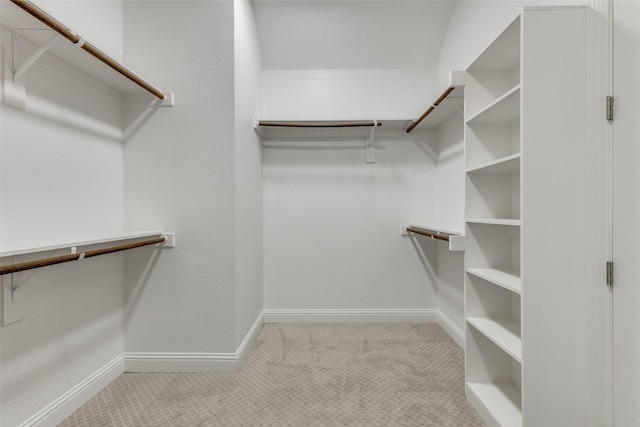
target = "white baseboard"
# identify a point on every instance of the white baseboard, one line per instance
(193, 362)
(54, 413)
(451, 328)
(179, 362)
(249, 339)
(346, 316)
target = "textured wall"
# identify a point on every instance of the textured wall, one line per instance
(61, 176)
(450, 216)
(362, 94)
(332, 224)
(248, 170)
(98, 21)
(179, 176)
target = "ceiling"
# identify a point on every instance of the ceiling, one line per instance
(351, 34)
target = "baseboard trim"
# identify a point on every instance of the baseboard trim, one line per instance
(249, 339)
(54, 413)
(308, 316)
(179, 362)
(451, 328)
(193, 362)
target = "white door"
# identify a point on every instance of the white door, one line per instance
(626, 213)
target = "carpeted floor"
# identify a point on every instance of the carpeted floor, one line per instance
(302, 375)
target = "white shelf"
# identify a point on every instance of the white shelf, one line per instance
(438, 230)
(28, 247)
(506, 278)
(452, 104)
(495, 221)
(501, 400)
(504, 332)
(509, 163)
(39, 33)
(505, 109)
(309, 134)
(503, 53)
(456, 238)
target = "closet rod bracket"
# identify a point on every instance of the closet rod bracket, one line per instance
(370, 144)
(259, 132)
(17, 75)
(12, 301)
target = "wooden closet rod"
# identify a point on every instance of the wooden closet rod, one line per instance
(320, 124)
(437, 102)
(65, 32)
(433, 234)
(29, 265)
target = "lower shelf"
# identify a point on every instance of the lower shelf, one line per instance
(498, 402)
(504, 332)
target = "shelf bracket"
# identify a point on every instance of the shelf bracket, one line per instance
(15, 92)
(453, 104)
(12, 301)
(32, 60)
(259, 132)
(370, 145)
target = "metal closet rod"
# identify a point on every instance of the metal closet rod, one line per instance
(433, 234)
(320, 124)
(65, 32)
(30, 265)
(437, 102)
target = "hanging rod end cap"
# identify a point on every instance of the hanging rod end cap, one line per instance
(168, 100)
(170, 240)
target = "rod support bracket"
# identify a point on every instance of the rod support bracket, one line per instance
(370, 144)
(17, 75)
(12, 301)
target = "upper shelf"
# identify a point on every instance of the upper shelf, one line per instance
(39, 27)
(505, 109)
(312, 129)
(293, 129)
(28, 247)
(503, 54)
(439, 111)
(454, 238)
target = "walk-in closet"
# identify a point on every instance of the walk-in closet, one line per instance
(301, 212)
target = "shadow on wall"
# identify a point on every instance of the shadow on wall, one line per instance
(70, 309)
(426, 251)
(138, 269)
(62, 94)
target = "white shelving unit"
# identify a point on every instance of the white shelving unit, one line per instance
(522, 122)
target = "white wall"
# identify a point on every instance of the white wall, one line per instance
(61, 176)
(450, 171)
(450, 216)
(340, 94)
(104, 33)
(332, 224)
(248, 170)
(179, 176)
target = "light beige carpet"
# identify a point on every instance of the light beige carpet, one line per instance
(304, 375)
